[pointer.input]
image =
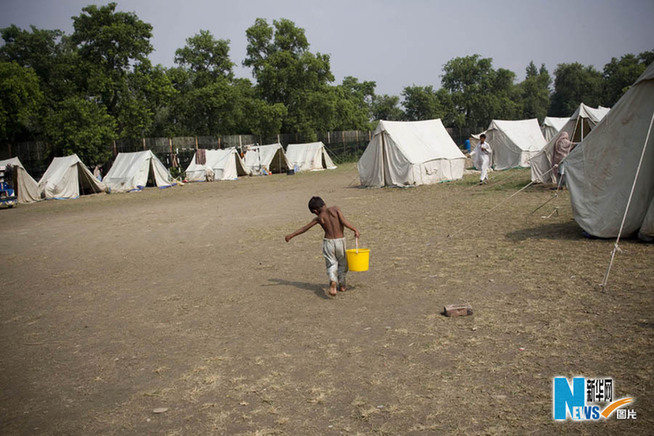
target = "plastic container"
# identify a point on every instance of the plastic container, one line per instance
(358, 259)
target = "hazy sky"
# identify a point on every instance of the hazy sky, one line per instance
(394, 43)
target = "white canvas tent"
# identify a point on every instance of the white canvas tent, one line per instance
(269, 158)
(135, 171)
(68, 178)
(222, 164)
(26, 188)
(309, 157)
(513, 143)
(551, 126)
(403, 153)
(600, 171)
(577, 127)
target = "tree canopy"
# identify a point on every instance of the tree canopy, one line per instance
(81, 91)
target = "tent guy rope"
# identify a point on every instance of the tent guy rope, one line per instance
(616, 248)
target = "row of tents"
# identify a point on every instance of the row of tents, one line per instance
(601, 170)
(68, 177)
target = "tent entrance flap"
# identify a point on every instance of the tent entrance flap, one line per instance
(385, 169)
(86, 186)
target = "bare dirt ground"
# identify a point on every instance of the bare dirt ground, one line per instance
(188, 299)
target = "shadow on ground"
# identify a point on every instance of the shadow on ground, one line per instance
(567, 231)
(315, 288)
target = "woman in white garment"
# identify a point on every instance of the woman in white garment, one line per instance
(483, 159)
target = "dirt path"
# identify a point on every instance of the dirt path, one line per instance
(189, 299)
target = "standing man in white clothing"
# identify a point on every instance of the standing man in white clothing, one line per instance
(483, 157)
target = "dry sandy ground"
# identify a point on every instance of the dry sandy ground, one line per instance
(188, 299)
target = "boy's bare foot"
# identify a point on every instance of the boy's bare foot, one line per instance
(332, 288)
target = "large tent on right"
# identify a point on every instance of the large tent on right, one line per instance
(578, 126)
(600, 172)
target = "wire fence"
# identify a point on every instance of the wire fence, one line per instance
(343, 146)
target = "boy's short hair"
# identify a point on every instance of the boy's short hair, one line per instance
(316, 203)
(482, 136)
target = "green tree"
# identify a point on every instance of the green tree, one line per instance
(421, 103)
(265, 118)
(575, 84)
(209, 100)
(20, 100)
(47, 52)
(535, 92)
(353, 104)
(109, 45)
(386, 107)
(478, 92)
(620, 74)
(148, 92)
(83, 127)
(287, 72)
(206, 57)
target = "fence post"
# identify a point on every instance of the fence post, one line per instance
(115, 154)
(196, 144)
(143, 144)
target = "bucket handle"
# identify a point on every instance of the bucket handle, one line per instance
(356, 244)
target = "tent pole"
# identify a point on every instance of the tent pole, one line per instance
(624, 217)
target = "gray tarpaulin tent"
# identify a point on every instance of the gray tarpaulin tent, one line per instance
(27, 190)
(577, 127)
(600, 171)
(270, 158)
(68, 178)
(135, 171)
(403, 153)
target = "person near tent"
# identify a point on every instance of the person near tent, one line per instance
(97, 172)
(332, 220)
(466, 146)
(483, 159)
(562, 148)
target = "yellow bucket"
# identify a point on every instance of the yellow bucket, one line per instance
(357, 259)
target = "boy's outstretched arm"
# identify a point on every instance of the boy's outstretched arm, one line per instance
(346, 223)
(301, 230)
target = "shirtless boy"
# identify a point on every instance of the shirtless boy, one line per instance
(332, 221)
